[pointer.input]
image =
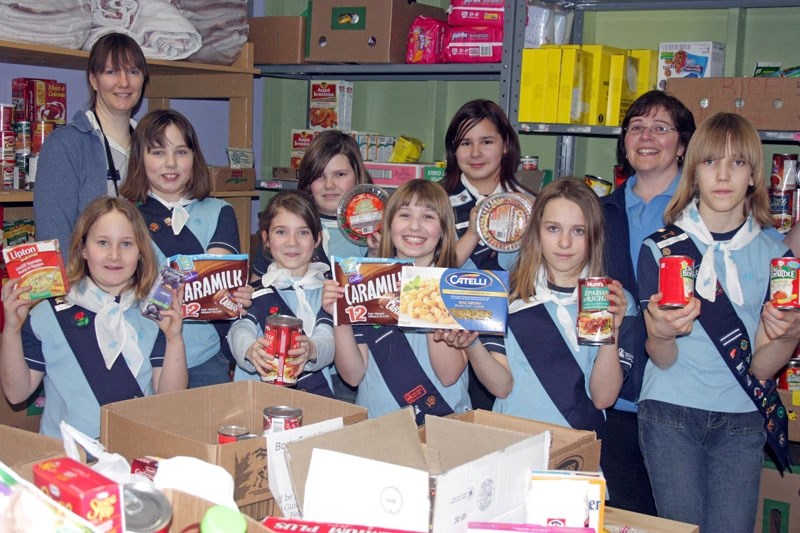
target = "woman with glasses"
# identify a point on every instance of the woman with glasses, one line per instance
(655, 133)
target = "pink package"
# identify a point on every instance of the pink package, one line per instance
(425, 37)
(476, 13)
(464, 44)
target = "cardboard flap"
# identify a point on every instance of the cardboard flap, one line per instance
(21, 449)
(389, 438)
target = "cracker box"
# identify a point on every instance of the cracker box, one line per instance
(209, 280)
(329, 104)
(87, 493)
(38, 265)
(690, 60)
(451, 298)
(371, 290)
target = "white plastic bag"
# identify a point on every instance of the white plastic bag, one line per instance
(112, 465)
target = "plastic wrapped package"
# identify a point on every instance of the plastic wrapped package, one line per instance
(223, 26)
(547, 24)
(64, 23)
(425, 38)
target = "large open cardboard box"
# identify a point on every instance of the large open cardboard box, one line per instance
(186, 423)
(571, 449)
(188, 510)
(379, 473)
(21, 449)
(643, 522)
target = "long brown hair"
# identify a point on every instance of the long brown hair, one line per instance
(123, 51)
(430, 195)
(717, 136)
(531, 258)
(151, 133)
(146, 271)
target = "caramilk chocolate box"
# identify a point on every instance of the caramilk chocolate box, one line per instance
(371, 290)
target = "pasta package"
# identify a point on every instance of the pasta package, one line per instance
(37, 265)
(452, 298)
(371, 290)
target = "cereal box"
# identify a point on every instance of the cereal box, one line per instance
(690, 60)
(371, 289)
(209, 280)
(451, 298)
(38, 265)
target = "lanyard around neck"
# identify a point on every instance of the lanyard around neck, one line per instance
(111, 169)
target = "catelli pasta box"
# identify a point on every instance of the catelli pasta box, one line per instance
(37, 265)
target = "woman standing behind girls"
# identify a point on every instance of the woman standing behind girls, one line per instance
(331, 167)
(386, 362)
(89, 157)
(539, 370)
(292, 285)
(704, 404)
(168, 179)
(93, 347)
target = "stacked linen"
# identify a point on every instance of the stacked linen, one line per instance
(222, 24)
(64, 23)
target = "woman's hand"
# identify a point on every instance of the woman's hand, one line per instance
(15, 308)
(244, 297)
(617, 303)
(331, 292)
(171, 322)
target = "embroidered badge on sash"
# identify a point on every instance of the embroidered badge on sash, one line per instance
(154, 227)
(415, 394)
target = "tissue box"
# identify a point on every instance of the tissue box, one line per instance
(378, 472)
(186, 423)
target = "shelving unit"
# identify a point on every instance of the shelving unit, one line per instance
(168, 80)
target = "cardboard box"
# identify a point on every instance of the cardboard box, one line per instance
(642, 522)
(552, 84)
(532, 78)
(690, 60)
(232, 179)
(791, 402)
(285, 174)
(778, 499)
(186, 423)
(532, 179)
(378, 472)
(571, 449)
(574, 88)
(26, 415)
(278, 40)
(598, 81)
(188, 510)
(768, 103)
(22, 449)
(364, 31)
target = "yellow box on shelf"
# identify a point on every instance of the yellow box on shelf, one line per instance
(573, 89)
(622, 87)
(648, 69)
(597, 83)
(533, 79)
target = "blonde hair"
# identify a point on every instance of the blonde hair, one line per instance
(717, 136)
(523, 275)
(427, 194)
(146, 270)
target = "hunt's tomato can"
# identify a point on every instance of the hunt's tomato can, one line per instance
(595, 322)
(783, 283)
(281, 418)
(281, 332)
(675, 281)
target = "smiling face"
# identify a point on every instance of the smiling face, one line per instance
(117, 90)
(111, 252)
(722, 185)
(290, 242)
(563, 237)
(479, 155)
(654, 156)
(416, 231)
(169, 167)
(337, 178)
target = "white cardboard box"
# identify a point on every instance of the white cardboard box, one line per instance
(378, 472)
(690, 60)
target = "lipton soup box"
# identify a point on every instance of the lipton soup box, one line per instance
(37, 265)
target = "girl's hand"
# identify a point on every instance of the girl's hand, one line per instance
(473, 221)
(617, 303)
(171, 322)
(459, 339)
(244, 297)
(300, 355)
(331, 292)
(667, 324)
(373, 244)
(780, 325)
(15, 308)
(257, 354)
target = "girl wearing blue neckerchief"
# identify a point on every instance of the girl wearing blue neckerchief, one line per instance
(708, 403)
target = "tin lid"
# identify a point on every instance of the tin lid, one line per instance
(502, 219)
(146, 508)
(284, 320)
(283, 411)
(234, 431)
(360, 212)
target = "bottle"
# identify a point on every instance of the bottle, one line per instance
(221, 519)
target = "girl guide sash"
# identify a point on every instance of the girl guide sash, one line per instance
(556, 368)
(727, 332)
(405, 377)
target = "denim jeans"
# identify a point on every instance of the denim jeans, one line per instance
(704, 466)
(213, 372)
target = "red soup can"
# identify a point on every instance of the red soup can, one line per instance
(281, 332)
(789, 378)
(675, 281)
(783, 283)
(595, 322)
(281, 418)
(226, 434)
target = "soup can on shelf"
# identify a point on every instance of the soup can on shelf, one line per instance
(595, 322)
(529, 162)
(23, 131)
(281, 418)
(281, 332)
(675, 281)
(147, 509)
(8, 144)
(784, 290)
(6, 116)
(226, 434)
(41, 129)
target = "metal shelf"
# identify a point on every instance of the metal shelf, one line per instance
(652, 5)
(571, 129)
(387, 71)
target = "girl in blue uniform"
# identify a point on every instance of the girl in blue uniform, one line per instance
(292, 285)
(708, 402)
(539, 370)
(391, 367)
(168, 179)
(93, 346)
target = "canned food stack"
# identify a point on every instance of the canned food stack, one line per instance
(783, 201)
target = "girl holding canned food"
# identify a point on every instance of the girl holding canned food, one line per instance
(386, 362)
(708, 401)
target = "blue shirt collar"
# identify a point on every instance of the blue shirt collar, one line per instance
(631, 198)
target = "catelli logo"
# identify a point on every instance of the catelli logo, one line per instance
(471, 279)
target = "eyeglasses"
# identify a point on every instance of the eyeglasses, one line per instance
(656, 129)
